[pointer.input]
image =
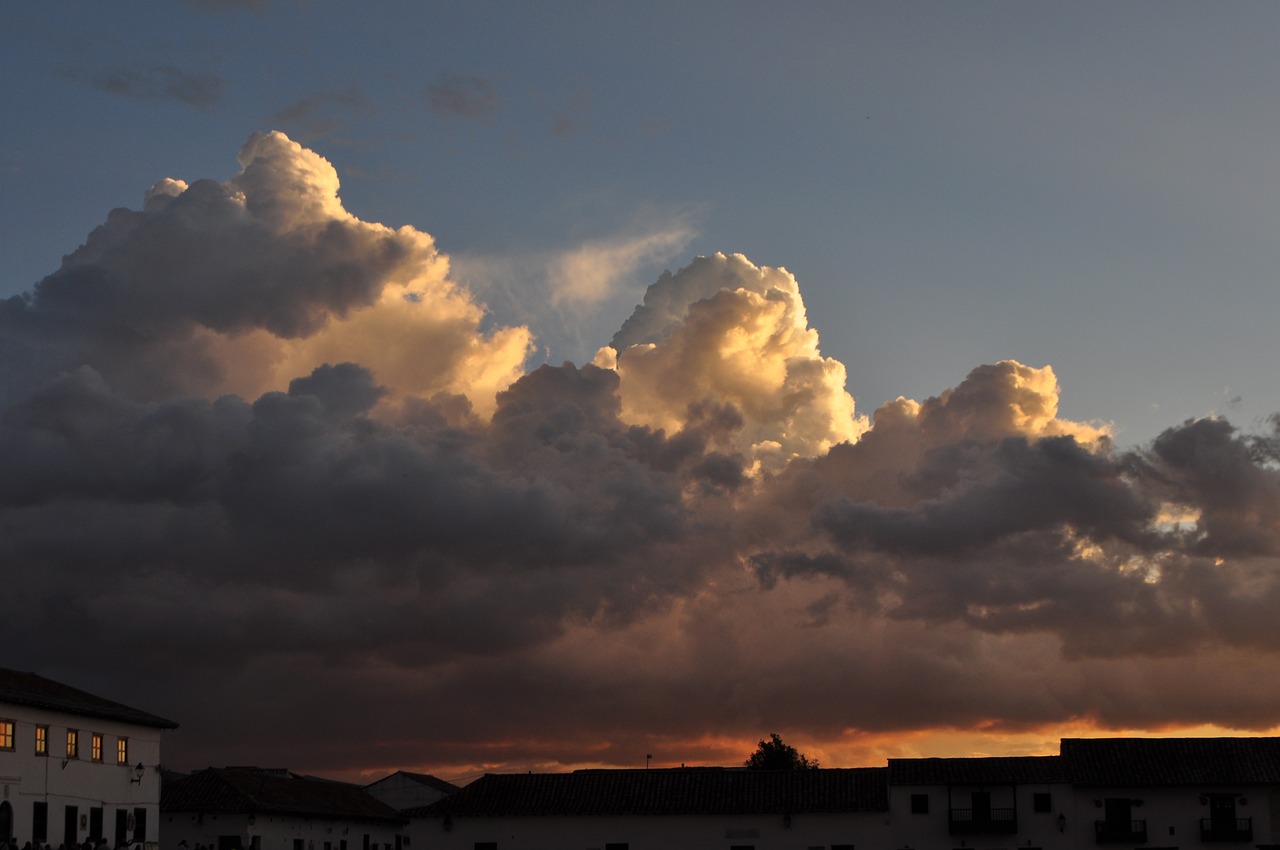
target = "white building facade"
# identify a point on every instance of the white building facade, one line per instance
(75, 767)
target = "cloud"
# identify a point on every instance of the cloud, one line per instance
(161, 82)
(724, 332)
(320, 114)
(257, 445)
(467, 96)
(591, 273)
(239, 287)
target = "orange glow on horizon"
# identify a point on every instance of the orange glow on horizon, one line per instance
(853, 748)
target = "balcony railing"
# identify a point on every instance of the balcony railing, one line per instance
(983, 821)
(1120, 831)
(1226, 829)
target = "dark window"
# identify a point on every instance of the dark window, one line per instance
(95, 824)
(366, 842)
(617, 845)
(40, 822)
(298, 845)
(1041, 802)
(122, 827)
(486, 845)
(919, 804)
(70, 815)
(841, 847)
(228, 842)
(742, 847)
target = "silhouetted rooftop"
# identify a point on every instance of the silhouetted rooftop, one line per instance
(1001, 770)
(668, 792)
(250, 791)
(422, 779)
(29, 689)
(1172, 761)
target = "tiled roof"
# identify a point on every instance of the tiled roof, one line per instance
(249, 791)
(1172, 761)
(995, 770)
(422, 779)
(683, 791)
(29, 689)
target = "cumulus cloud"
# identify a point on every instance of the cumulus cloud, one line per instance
(727, 333)
(256, 445)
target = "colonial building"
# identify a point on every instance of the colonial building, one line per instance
(75, 766)
(247, 808)
(1097, 794)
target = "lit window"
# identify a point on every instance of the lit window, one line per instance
(73, 744)
(95, 746)
(42, 740)
(6, 734)
(122, 750)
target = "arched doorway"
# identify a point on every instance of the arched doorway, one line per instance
(6, 821)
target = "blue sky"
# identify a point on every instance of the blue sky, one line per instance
(253, 441)
(1089, 186)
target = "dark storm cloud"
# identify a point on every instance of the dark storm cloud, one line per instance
(466, 96)
(259, 447)
(162, 82)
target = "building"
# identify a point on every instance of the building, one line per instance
(673, 809)
(405, 790)
(75, 766)
(1096, 794)
(248, 808)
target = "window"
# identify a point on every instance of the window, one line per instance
(95, 746)
(122, 750)
(617, 845)
(1041, 802)
(486, 845)
(42, 740)
(919, 804)
(73, 743)
(841, 847)
(6, 734)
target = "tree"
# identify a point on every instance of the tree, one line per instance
(773, 754)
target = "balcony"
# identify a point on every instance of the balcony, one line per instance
(983, 821)
(1226, 829)
(1120, 831)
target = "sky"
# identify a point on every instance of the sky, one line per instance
(496, 386)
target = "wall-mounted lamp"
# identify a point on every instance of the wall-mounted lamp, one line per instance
(137, 774)
(1062, 822)
(448, 824)
(786, 820)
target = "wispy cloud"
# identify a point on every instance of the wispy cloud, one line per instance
(467, 96)
(162, 82)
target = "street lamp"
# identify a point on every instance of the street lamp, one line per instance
(137, 774)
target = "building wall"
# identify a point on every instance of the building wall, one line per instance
(931, 830)
(277, 832)
(61, 782)
(1172, 816)
(686, 832)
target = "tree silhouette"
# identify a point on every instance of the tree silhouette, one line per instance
(773, 754)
